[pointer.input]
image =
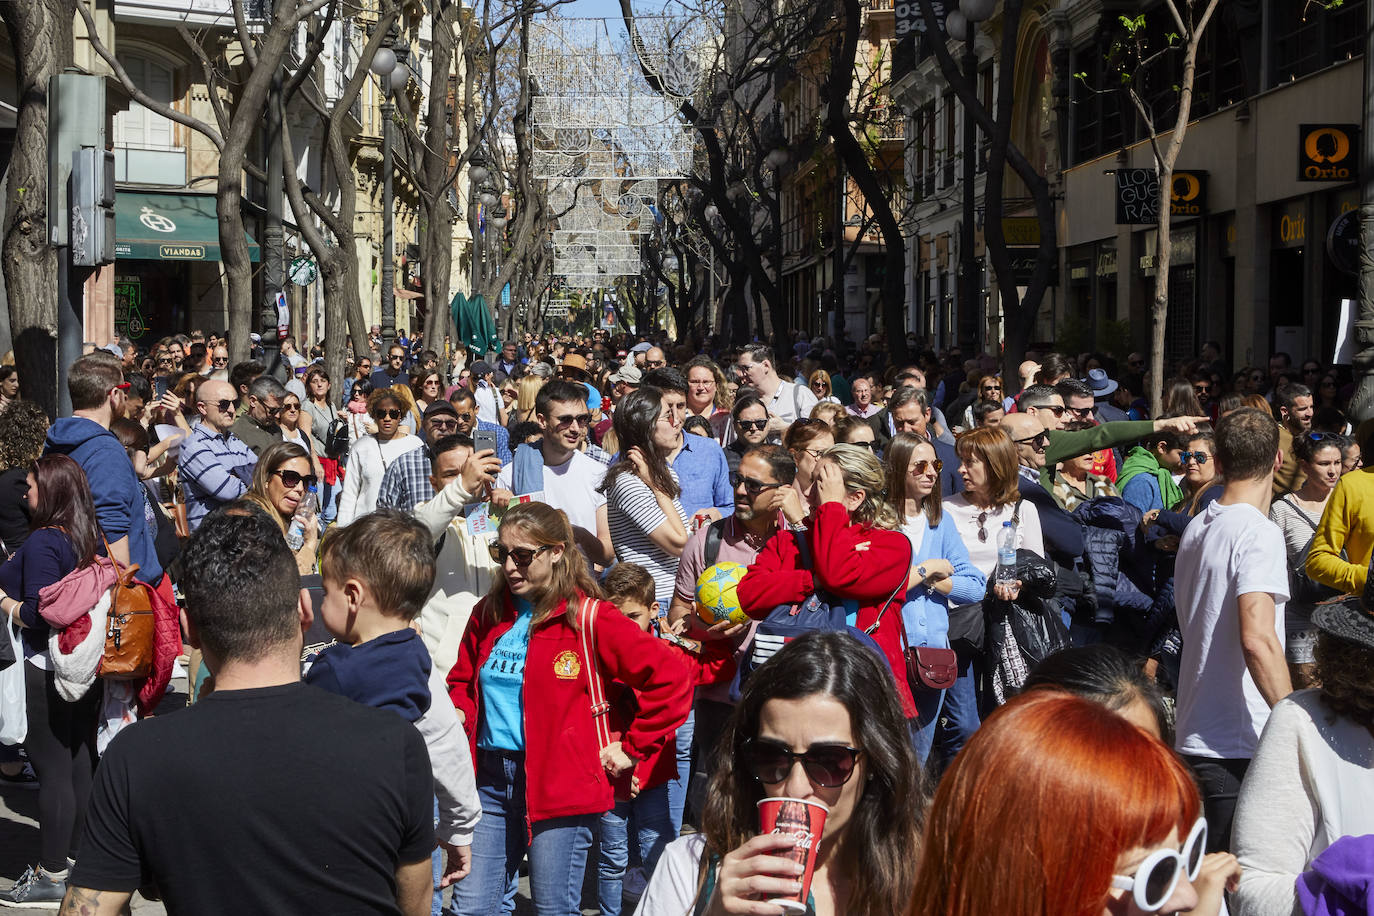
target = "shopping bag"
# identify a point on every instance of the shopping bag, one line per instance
(14, 719)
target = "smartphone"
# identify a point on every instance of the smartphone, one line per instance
(483, 440)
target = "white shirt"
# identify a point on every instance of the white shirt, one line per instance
(1226, 552)
(485, 395)
(672, 888)
(983, 553)
(1311, 782)
(368, 460)
(791, 402)
(570, 486)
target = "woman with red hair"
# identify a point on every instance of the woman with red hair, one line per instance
(1059, 806)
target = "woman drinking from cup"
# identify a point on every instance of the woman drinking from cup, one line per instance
(281, 478)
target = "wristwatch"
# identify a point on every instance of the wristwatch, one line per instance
(921, 571)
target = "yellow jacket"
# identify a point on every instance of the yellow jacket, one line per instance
(1347, 524)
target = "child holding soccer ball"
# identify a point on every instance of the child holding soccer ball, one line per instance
(643, 793)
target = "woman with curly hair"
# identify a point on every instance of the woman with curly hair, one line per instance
(820, 722)
(1311, 781)
(23, 427)
(372, 454)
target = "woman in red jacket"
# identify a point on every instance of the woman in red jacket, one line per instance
(522, 685)
(855, 556)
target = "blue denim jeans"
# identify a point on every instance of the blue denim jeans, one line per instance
(557, 852)
(923, 727)
(677, 789)
(648, 815)
(959, 719)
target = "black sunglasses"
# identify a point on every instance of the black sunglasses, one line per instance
(392, 413)
(751, 424)
(223, 406)
(827, 765)
(523, 556)
(1038, 441)
(292, 479)
(751, 486)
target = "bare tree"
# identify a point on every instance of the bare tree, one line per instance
(263, 50)
(41, 39)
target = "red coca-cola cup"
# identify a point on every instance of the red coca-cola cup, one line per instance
(804, 820)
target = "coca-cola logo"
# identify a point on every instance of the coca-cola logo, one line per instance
(805, 838)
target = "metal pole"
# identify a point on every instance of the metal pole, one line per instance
(968, 310)
(388, 222)
(70, 326)
(1362, 405)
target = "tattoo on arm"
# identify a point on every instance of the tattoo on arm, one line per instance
(81, 901)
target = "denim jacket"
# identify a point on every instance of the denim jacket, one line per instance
(926, 612)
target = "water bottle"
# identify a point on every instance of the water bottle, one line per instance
(305, 515)
(1006, 555)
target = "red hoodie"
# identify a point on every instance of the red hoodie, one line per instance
(715, 665)
(858, 562)
(563, 772)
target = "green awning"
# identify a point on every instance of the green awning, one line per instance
(168, 227)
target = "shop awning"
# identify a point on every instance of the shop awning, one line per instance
(168, 227)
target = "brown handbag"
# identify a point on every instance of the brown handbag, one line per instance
(928, 666)
(130, 628)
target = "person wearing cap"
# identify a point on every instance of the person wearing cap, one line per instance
(464, 404)
(1310, 782)
(1231, 584)
(406, 482)
(489, 406)
(624, 380)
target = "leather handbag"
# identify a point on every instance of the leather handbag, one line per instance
(130, 628)
(930, 667)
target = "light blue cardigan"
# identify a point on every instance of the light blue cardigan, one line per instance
(926, 612)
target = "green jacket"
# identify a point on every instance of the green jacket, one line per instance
(1065, 444)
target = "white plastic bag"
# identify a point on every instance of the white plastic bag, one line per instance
(14, 718)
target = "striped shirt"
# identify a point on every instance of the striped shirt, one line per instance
(633, 511)
(214, 469)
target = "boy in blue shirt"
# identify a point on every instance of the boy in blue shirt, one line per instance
(377, 574)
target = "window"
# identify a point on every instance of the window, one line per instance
(138, 127)
(951, 141)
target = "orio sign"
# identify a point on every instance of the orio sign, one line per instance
(1326, 152)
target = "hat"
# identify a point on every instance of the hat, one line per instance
(574, 361)
(628, 373)
(439, 407)
(1101, 385)
(481, 368)
(642, 347)
(256, 338)
(593, 396)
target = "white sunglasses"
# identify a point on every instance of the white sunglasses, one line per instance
(1154, 881)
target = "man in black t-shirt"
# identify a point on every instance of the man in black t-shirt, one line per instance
(267, 796)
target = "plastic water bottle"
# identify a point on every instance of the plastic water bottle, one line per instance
(1006, 555)
(305, 515)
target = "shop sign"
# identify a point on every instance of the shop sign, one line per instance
(1080, 272)
(1188, 193)
(1137, 197)
(1106, 263)
(907, 18)
(1023, 266)
(1021, 230)
(303, 271)
(181, 252)
(1290, 224)
(128, 307)
(1326, 152)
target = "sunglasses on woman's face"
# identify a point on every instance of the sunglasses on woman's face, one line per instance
(523, 556)
(919, 468)
(1200, 457)
(827, 765)
(387, 414)
(293, 479)
(1155, 880)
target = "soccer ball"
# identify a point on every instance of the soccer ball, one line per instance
(716, 599)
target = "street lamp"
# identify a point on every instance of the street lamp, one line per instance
(962, 25)
(385, 63)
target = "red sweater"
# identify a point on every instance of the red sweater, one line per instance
(857, 562)
(715, 665)
(563, 772)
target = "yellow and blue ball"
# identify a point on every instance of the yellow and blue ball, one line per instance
(715, 593)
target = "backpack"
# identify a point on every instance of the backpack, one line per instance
(819, 612)
(715, 532)
(336, 438)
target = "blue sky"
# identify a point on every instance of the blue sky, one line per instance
(604, 8)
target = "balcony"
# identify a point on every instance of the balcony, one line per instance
(166, 167)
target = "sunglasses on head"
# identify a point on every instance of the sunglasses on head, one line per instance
(292, 479)
(751, 424)
(523, 556)
(826, 765)
(387, 413)
(1154, 881)
(1200, 457)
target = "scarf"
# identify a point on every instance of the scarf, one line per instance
(1141, 460)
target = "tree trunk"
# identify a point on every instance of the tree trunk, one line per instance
(436, 255)
(40, 36)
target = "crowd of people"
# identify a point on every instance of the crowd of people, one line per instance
(1031, 649)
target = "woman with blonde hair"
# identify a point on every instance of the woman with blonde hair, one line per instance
(542, 772)
(827, 412)
(281, 478)
(529, 386)
(850, 552)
